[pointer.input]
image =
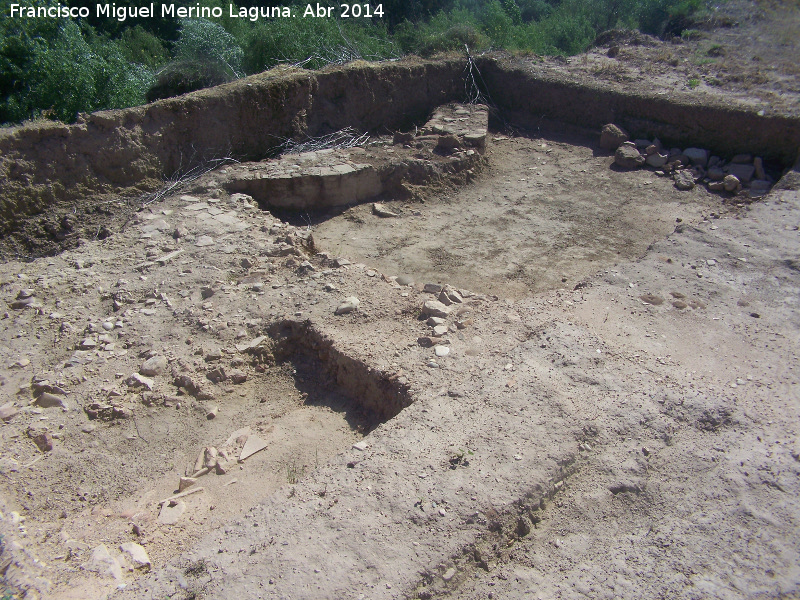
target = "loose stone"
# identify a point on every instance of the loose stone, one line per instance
(349, 305)
(758, 165)
(434, 308)
(380, 210)
(656, 160)
(744, 173)
(155, 365)
(237, 376)
(48, 400)
(42, 439)
(432, 288)
(170, 513)
(612, 137)
(731, 183)
(628, 157)
(251, 446)
(136, 555)
(440, 330)
(684, 180)
(697, 156)
(651, 299)
(137, 380)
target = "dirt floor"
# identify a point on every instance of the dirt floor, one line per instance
(607, 409)
(530, 222)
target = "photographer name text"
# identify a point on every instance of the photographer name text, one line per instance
(171, 11)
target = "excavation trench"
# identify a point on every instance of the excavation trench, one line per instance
(320, 365)
(62, 183)
(309, 403)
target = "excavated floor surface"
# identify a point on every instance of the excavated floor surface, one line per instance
(644, 433)
(547, 213)
(610, 411)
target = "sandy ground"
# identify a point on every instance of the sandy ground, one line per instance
(547, 213)
(641, 421)
(611, 411)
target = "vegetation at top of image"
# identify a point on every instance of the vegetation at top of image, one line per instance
(56, 68)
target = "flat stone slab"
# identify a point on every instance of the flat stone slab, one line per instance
(169, 515)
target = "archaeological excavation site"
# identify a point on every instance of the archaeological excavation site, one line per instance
(467, 327)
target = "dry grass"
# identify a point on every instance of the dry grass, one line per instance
(611, 70)
(665, 55)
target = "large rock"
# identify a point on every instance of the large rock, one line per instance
(731, 183)
(758, 164)
(628, 157)
(743, 173)
(697, 156)
(434, 308)
(684, 180)
(656, 160)
(155, 365)
(612, 137)
(349, 305)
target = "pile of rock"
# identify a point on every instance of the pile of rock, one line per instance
(450, 304)
(743, 173)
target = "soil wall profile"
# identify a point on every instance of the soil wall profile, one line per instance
(132, 151)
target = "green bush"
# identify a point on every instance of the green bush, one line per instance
(141, 47)
(323, 41)
(560, 34)
(445, 31)
(204, 41)
(496, 24)
(534, 10)
(491, 26)
(184, 76)
(48, 67)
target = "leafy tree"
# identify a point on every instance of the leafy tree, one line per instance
(48, 68)
(141, 47)
(205, 41)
